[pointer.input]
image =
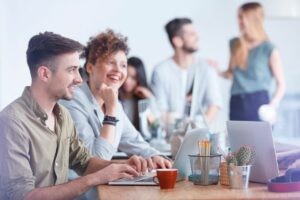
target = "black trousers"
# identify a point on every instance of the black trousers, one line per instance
(244, 107)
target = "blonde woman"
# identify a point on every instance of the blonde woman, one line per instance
(254, 62)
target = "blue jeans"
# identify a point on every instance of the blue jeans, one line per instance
(244, 107)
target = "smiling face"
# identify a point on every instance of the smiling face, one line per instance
(112, 71)
(65, 77)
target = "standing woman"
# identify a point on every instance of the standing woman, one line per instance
(254, 62)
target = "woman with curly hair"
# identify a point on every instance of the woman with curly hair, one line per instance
(99, 117)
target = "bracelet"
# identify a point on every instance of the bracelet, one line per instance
(110, 120)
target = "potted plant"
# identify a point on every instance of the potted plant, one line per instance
(239, 165)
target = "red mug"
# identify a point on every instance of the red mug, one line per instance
(165, 178)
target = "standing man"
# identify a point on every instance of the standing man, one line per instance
(178, 78)
(38, 140)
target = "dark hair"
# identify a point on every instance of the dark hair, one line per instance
(173, 27)
(250, 6)
(104, 45)
(45, 47)
(138, 65)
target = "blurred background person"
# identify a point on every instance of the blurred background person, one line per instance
(175, 80)
(134, 89)
(254, 62)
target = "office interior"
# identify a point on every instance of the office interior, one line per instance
(143, 22)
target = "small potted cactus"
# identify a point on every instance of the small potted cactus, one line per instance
(239, 164)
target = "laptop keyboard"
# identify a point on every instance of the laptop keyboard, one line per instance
(146, 179)
(136, 179)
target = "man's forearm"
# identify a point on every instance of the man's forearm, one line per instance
(96, 164)
(68, 190)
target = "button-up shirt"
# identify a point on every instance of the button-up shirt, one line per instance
(31, 154)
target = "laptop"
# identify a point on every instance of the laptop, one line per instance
(189, 146)
(259, 136)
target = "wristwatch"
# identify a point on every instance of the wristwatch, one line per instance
(110, 120)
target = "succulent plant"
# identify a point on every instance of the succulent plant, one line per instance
(244, 156)
(231, 159)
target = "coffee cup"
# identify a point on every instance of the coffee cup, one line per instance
(165, 178)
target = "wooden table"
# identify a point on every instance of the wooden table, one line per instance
(187, 190)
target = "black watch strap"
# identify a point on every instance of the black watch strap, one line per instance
(110, 120)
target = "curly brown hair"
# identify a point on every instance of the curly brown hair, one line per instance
(104, 45)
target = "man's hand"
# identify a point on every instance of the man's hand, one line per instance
(141, 165)
(138, 163)
(158, 162)
(114, 172)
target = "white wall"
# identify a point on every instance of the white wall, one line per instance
(2, 44)
(142, 21)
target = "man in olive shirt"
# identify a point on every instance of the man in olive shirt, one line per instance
(38, 141)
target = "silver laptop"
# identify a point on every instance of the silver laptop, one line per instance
(259, 136)
(189, 146)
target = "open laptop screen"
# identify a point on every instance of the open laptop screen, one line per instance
(259, 136)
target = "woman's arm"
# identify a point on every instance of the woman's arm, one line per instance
(227, 74)
(143, 92)
(276, 68)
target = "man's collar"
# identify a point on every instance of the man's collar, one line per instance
(36, 108)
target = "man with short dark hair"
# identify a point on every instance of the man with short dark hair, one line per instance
(38, 140)
(175, 79)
